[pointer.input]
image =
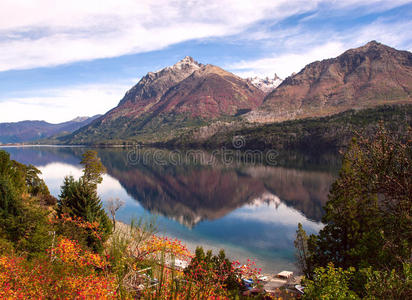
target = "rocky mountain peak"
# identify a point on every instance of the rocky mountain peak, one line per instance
(265, 84)
(371, 47)
(79, 119)
(372, 43)
(186, 63)
(153, 85)
(187, 60)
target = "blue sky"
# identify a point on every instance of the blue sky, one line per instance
(62, 59)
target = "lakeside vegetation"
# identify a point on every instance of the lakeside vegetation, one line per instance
(310, 135)
(67, 247)
(365, 249)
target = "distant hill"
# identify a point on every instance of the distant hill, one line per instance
(371, 75)
(29, 131)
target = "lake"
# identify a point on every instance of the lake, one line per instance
(250, 206)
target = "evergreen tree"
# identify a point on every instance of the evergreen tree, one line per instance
(92, 168)
(78, 198)
(368, 217)
(369, 213)
(302, 251)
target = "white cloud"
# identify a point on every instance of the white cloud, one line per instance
(298, 46)
(395, 34)
(286, 64)
(49, 32)
(63, 104)
(53, 176)
(270, 213)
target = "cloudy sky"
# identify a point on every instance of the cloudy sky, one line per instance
(60, 59)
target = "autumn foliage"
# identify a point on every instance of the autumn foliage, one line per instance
(66, 272)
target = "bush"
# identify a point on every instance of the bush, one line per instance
(389, 285)
(67, 272)
(330, 284)
(213, 270)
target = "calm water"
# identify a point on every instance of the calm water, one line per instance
(252, 210)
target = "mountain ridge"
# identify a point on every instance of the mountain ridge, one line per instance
(32, 130)
(174, 98)
(171, 102)
(362, 77)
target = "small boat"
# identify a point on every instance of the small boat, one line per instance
(180, 264)
(285, 274)
(248, 283)
(300, 288)
(263, 278)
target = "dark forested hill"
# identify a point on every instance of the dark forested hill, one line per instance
(314, 135)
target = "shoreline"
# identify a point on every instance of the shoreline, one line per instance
(233, 253)
(271, 282)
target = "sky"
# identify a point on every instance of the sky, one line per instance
(61, 59)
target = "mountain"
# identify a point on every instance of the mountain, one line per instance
(265, 84)
(29, 131)
(150, 89)
(190, 98)
(166, 102)
(367, 76)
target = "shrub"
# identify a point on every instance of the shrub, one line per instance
(330, 284)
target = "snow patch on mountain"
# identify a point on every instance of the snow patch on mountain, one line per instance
(265, 84)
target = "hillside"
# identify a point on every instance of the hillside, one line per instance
(164, 103)
(29, 131)
(371, 75)
(315, 135)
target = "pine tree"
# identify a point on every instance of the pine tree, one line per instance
(368, 215)
(78, 198)
(302, 251)
(92, 168)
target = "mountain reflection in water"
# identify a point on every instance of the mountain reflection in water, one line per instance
(249, 209)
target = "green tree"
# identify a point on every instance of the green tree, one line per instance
(92, 168)
(368, 216)
(36, 185)
(330, 283)
(22, 221)
(303, 259)
(78, 198)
